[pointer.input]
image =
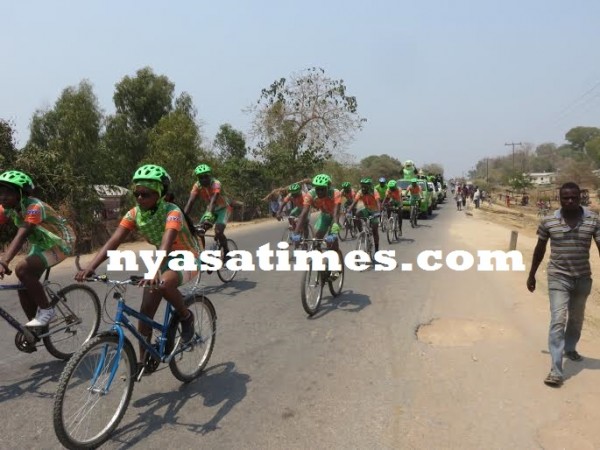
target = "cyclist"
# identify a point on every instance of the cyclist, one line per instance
(296, 198)
(414, 192)
(218, 209)
(50, 237)
(382, 187)
(367, 202)
(393, 199)
(163, 225)
(326, 199)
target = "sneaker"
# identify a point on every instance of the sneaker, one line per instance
(553, 380)
(42, 318)
(573, 355)
(187, 328)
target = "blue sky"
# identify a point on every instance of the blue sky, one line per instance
(438, 81)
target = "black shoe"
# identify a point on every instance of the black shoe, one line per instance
(573, 355)
(553, 380)
(187, 328)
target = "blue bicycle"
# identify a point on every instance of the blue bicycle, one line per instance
(95, 387)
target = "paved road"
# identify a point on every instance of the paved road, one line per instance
(354, 376)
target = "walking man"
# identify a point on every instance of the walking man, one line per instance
(570, 231)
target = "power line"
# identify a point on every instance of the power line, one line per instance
(513, 151)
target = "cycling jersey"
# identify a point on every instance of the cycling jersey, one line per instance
(326, 204)
(206, 193)
(369, 201)
(381, 190)
(153, 224)
(348, 197)
(394, 196)
(51, 230)
(297, 203)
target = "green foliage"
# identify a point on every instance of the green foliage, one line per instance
(8, 151)
(300, 122)
(579, 136)
(230, 142)
(174, 143)
(376, 166)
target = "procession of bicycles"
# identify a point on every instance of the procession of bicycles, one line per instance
(96, 384)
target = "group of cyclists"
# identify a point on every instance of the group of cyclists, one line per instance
(333, 204)
(159, 221)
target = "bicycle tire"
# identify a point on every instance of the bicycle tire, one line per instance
(205, 324)
(361, 243)
(65, 312)
(63, 432)
(311, 278)
(391, 230)
(339, 281)
(224, 273)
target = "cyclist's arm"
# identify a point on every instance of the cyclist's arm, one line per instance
(301, 219)
(336, 213)
(112, 244)
(280, 210)
(15, 245)
(190, 202)
(211, 204)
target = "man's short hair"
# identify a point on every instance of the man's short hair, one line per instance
(569, 185)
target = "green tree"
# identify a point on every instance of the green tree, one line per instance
(8, 150)
(300, 122)
(175, 144)
(230, 142)
(62, 155)
(140, 101)
(579, 136)
(376, 166)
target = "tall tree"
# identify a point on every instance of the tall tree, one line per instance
(140, 101)
(579, 136)
(299, 122)
(376, 166)
(8, 150)
(230, 143)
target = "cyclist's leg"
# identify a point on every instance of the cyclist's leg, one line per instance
(322, 225)
(29, 272)
(375, 228)
(220, 224)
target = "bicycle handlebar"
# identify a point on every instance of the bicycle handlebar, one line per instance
(133, 279)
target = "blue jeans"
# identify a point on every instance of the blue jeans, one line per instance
(567, 306)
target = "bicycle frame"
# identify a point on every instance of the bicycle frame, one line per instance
(121, 320)
(31, 338)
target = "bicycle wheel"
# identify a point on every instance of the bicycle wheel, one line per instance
(336, 278)
(361, 244)
(383, 222)
(224, 273)
(311, 291)
(86, 409)
(189, 364)
(286, 236)
(77, 320)
(391, 229)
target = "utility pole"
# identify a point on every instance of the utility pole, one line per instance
(513, 151)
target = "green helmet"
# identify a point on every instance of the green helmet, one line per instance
(20, 180)
(414, 180)
(152, 172)
(202, 169)
(366, 181)
(392, 184)
(346, 184)
(321, 180)
(294, 188)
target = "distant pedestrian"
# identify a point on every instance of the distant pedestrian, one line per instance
(570, 231)
(458, 200)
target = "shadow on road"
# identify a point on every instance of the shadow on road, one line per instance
(31, 381)
(219, 385)
(231, 289)
(572, 368)
(347, 301)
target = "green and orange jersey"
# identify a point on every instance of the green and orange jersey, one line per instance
(414, 191)
(381, 190)
(152, 226)
(326, 204)
(296, 200)
(50, 228)
(205, 193)
(394, 196)
(369, 201)
(348, 197)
